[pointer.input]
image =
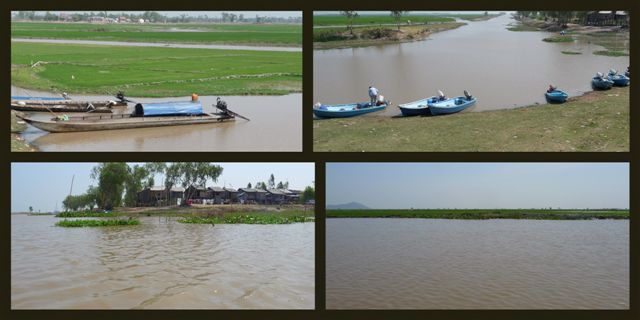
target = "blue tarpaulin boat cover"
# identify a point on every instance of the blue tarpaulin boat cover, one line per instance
(168, 109)
(35, 98)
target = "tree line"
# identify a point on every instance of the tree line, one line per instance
(561, 17)
(119, 183)
(151, 16)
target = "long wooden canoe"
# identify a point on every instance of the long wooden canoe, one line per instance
(66, 106)
(119, 121)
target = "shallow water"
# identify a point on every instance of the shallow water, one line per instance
(477, 264)
(502, 68)
(276, 125)
(161, 264)
(163, 45)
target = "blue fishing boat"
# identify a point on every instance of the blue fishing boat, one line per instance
(452, 105)
(599, 82)
(346, 110)
(556, 96)
(619, 80)
(417, 108)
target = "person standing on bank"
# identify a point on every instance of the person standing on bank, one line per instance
(373, 94)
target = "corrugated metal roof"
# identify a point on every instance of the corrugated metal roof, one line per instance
(217, 189)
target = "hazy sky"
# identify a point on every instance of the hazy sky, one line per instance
(479, 185)
(247, 14)
(44, 185)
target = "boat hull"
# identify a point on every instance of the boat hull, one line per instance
(345, 110)
(451, 105)
(99, 123)
(56, 108)
(416, 108)
(65, 105)
(601, 84)
(619, 80)
(556, 96)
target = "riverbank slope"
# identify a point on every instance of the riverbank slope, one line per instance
(595, 121)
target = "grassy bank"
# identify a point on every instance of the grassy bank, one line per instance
(237, 34)
(154, 72)
(596, 121)
(17, 142)
(615, 40)
(332, 38)
(365, 19)
(213, 210)
(253, 218)
(482, 214)
(97, 223)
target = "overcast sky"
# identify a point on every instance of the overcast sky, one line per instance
(45, 185)
(247, 14)
(479, 185)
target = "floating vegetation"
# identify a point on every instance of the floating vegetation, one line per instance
(248, 219)
(83, 214)
(571, 52)
(611, 53)
(558, 39)
(97, 223)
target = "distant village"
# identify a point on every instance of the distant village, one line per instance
(160, 196)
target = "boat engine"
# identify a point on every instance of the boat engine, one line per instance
(222, 106)
(467, 95)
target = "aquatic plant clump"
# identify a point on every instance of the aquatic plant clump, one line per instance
(482, 214)
(248, 219)
(558, 39)
(83, 214)
(97, 223)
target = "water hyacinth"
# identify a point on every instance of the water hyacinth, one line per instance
(97, 223)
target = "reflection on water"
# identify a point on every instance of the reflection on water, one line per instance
(477, 264)
(276, 125)
(161, 264)
(502, 68)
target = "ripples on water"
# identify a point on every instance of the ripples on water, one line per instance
(493, 264)
(161, 264)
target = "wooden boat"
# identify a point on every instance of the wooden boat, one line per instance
(416, 108)
(145, 115)
(346, 110)
(65, 106)
(599, 82)
(556, 96)
(120, 121)
(452, 105)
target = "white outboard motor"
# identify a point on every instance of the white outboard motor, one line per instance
(599, 75)
(467, 95)
(613, 71)
(66, 96)
(317, 105)
(441, 95)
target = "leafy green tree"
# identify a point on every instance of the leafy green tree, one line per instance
(191, 174)
(30, 209)
(136, 175)
(309, 193)
(111, 177)
(272, 181)
(249, 185)
(280, 185)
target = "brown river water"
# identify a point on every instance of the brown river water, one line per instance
(276, 125)
(502, 68)
(161, 265)
(477, 264)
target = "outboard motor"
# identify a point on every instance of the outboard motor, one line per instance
(120, 96)
(467, 95)
(441, 95)
(613, 71)
(599, 75)
(66, 96)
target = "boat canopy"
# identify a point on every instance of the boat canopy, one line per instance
(186, 108)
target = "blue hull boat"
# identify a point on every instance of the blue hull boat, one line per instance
(601, 83)
(452, 105)
(619, 80)
(346, 110)
(417, 108)
(28, 98)
(556, 96)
